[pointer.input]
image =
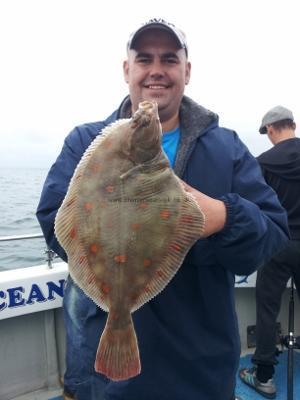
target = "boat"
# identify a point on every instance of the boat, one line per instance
(32, 346)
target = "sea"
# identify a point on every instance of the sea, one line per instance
(20, 191)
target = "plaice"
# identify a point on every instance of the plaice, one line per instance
(126, 224)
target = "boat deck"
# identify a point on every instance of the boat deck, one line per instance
(241, 389)
(55, 394)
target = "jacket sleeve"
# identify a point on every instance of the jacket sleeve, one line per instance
(256, 226)
(56, 186)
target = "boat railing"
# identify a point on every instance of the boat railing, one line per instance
(50, 254)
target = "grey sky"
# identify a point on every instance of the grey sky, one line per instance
(61, 65)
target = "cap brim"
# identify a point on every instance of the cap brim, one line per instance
(262, 130)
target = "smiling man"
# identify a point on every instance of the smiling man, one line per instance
(158, 69)
(188, 334)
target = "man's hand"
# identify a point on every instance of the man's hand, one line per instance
(214, 210)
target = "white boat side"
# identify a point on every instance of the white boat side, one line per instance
(40, 288)
(33, 289)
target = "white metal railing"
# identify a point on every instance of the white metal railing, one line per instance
(19, 237)
(50, 254)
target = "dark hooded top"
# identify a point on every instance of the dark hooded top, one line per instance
(281, 169)
(188, 334)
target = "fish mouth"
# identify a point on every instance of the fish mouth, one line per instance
(148, 106)
(146, 113)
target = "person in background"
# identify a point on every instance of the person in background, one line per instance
(281, 169)
(188, 334)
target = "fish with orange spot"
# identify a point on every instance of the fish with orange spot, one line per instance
(105, 288)
(143, 205)
(147, 262)
(165, 214)
(73, 233)
(109, 189)
(88, 206)
(135, 227)
(94, 248)
(95, 168)
(120, 258)
(124, 267)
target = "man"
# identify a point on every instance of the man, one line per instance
(188, 334)
(281, 169)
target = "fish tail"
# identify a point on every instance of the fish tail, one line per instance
(118, 354)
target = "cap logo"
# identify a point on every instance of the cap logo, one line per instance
(159, 21)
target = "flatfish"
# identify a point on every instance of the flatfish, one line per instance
(126, 224)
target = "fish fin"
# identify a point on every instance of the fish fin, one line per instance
(190, 227)
(67, 223)
(106, 132)
(86, 279)
(66, 226)
(118, 354)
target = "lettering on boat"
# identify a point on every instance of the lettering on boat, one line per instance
(23, 296)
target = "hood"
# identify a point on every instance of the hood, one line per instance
(195, 120)
(283, 159)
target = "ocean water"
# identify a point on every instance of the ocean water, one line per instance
(20, 191)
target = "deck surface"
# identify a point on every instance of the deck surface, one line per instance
(241, 389)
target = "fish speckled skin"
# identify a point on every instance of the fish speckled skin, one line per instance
(126, 225)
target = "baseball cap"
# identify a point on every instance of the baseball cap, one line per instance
(278, 113)
(159, 23)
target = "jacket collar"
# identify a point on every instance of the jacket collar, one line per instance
(194, 122)
(194, 119)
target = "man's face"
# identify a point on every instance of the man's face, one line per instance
(157, 70)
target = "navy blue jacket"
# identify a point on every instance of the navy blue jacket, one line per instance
(188, 334)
